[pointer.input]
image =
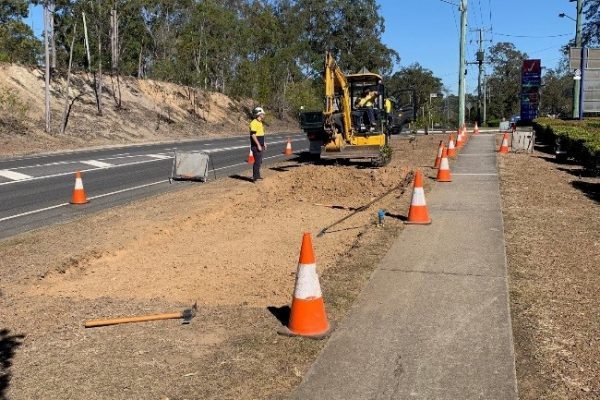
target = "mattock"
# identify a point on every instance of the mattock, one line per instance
(185, 316)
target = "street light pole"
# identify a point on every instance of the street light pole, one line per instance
(461, 68)
(578, 28)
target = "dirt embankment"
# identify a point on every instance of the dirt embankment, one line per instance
(149, 111)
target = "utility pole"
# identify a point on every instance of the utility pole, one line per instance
(461, 67)
(480, 59)
(577, 89)
(484, 100)
(47, 68)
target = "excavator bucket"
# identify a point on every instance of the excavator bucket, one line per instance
(352, 152)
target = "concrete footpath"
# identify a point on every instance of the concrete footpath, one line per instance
(433, 321)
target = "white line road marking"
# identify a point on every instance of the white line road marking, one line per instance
(160, 156)
(90, 198)
(15, 176)
(33, 212)
(115, 192)
(95, 163)
(153, 159)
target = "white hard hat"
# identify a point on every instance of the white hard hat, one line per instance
(258, 110)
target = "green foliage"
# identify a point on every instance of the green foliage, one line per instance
(581, 138)
(304, 94)
(271, 51)
(17, 42)
(505, 81)
(413, 77)
(591, 29)
(13, 111)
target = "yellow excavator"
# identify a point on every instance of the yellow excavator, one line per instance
(353, 124)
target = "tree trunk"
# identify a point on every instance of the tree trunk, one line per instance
(47, 74)
(140, 73)
(65, 120)
(114, 41)
(99, 79)
(52, 7)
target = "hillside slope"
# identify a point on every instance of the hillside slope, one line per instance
(150, 111)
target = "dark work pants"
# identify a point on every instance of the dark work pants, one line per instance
(258, 157)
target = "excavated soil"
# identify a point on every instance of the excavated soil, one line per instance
(229, 245)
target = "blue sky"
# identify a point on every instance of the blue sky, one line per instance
(427, 31)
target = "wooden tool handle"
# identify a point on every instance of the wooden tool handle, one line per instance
(125, 320)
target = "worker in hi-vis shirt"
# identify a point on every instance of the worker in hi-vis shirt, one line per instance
(257, 141)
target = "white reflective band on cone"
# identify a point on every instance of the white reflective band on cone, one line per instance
(418, 198)
(307, 282)
(444, 165)
(78, 183)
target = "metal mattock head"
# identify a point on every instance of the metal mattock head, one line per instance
(189, 313)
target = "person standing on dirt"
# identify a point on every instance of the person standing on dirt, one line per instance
(257, 141)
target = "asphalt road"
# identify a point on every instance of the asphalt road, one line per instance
(35, 190)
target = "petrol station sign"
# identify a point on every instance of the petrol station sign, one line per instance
(531, 80)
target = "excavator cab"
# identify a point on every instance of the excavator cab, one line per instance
(353, 122)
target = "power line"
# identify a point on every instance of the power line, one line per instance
(491, 24)
(534, 37)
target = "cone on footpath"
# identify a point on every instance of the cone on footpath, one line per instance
(459, 139)
(476, 129)
(288, 148)
(250, 157)
(79, 196)
(307, 316)
(438, 158)
(451, 148)
(444, 174)
(504, 146)
(418, 213)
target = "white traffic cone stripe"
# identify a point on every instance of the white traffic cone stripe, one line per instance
(418, 198)
(444, 164)
(451, 144)
(307, 282)
(440, 151)
(504, 142)
(78, 184)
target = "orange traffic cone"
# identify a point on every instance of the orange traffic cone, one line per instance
(451, 148)
(288, 148)
(307, 316)
(79, 196)
(418, 213)
(476, 129)
(444, 174)
(459, 139)
(250, 157)
(438, 158)
(504, 146)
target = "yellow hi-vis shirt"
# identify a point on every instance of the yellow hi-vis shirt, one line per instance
(388, 106)
(368, 100)
(257, 128)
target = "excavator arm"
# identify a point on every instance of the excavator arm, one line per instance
(335, 79)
